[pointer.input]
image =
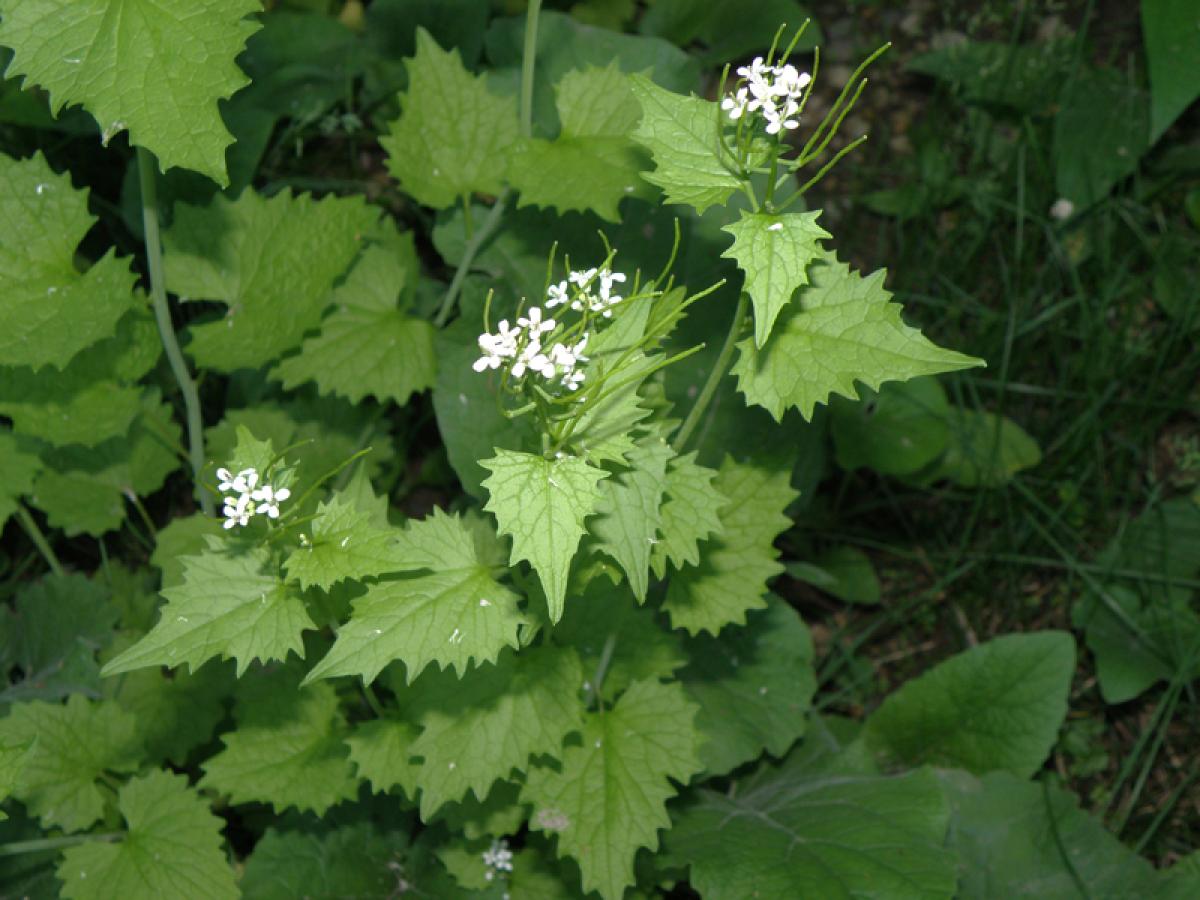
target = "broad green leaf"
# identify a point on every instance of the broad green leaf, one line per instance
(454, 614)
(155, 68)
(272, 262)
(754, 686)
(353, 861)
(380, 752)
(787, 832)
(735, 566)
(84, 489)
(1171, 29)
(498, 814)
(63, 411)
(229, 605)
(13, 756)
(172, 844)
(609, 797)
(984, 450)
(608, 629)
(182, 537)
(344, 544)
(289, 751)
(1021, 838)
(50, 310)
(454, 136)
(628, 517)
(465, 402)
(369, 345)
(592, 164)
(76, 744)
(565, 45)
(681, 134)
(995, 707)
(843, 571)
(1101, 131)
(175, 715)
(18, 469)
(843, 329)
(542, 505)
(774, 252)
(896, 431)
(476, 730)
(728, 31)
(690, 514)
(57, 626)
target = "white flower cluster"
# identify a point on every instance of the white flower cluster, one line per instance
(600, 302)
(497, 858)
(248, 498)
(773, 91)
(524, 347)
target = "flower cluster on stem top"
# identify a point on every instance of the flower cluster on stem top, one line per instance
(542, 345)
(774, 92)
(248, 497)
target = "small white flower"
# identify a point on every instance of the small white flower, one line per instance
(534, 324)
(268, 499)
(497, 858)
(1062, 209)
(556, 295)
(238, 512)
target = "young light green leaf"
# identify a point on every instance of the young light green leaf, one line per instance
(344, 544)
(754, 686)
(76, 744)
(290, 753)
(182, 537)
(995, 707)
(629, 515)
(786, 833)
(380, 750)
(476, 730)
(353, 861)
(172, 844)
(626, 758)
(542, 504)
(681, 134)
(272, 261)
(49, 311)
(843, 329)
(735, 566)
(114, 58)
(774, 252)
(454, 136)
(592, 164)
(232, 606)
(453, 614)
(368, 345)
(18, 469)
(13, 757)
(690, 514)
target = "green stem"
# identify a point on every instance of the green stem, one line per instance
(147, 172)
(42, 844)
(373, 701)
(486, 229)
(39, 539)
(529, 57)
(489, 225)
(602, 668)
(714, 378)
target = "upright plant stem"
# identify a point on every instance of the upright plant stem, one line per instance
(147, 172)
(487, 228)
(714, 378)
(39, 539)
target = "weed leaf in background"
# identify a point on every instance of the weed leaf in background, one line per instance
(1171, 29)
